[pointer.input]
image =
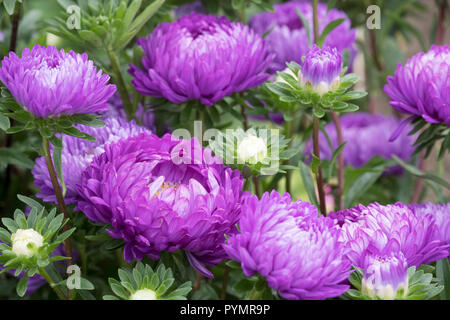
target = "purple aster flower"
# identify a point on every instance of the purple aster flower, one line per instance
(200, 57)
(287, 243)
(422, 86)
(390, 228)
(367, 136)
(321, 68)
(50, 83)
(189, 8)
(385, 276)
(288, 38)
(78, 153)
(163, 194)
(441, 214)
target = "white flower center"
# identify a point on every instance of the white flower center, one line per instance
(143, 294)
(25, 242)
(252, 149)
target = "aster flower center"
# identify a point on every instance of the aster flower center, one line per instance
(164, 187)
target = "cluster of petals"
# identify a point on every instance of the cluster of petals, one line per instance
(163, 194)
(286, 242)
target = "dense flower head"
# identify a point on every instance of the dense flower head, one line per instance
(422, 86)
(441, 214)
(163, 194)
(367, 136)
(78, 153)
(200, 57)
(385, 276)
(49, 82)
(321, 68)
(390, 228)
(288, 38)
(287, 243)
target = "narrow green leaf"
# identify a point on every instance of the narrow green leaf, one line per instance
(328, 29)
(22, 286)
(360, 186)
(306, 25)
(443, 274)
(308, 182)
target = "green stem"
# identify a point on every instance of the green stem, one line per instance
(340, 166)
(52, 284)
(316, 20)
(288, 134)
(256, 185)
(226, 275)
(123, 92)
(242, 12)
(319, 180)
(59, 198)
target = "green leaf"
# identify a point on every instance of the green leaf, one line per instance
(328, 29)
(306, 25)
(315, 164)
(360, 186)
(63, 236)
(117, 288)
(140, 21)
(353, 95)
(334, 157)
(30, 202)
(308, 183)
(57, 160)
(78, 134)
(418, 173)
(10, 224)
(9, 6)
(15, 129)
(91, 37)
(4, 123)
(86, 284)
(131, 12)
(22, 285)
(5, 236)
(443, 274)
(14, 157)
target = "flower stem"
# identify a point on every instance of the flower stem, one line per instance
(340, 165)
(15, 27)
(315, 20)
(12, 48)
(198, 282)
(288, 134)
(256, 185)
(320, 189)
(59, 198)
(52, 284)
(316, 150)
(226, 274)
(123, 92)
(443, 5)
